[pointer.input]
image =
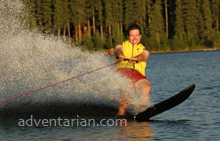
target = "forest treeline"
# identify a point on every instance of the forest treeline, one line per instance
(165, 24)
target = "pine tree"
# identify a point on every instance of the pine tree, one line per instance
(156, 27)
(109, 17)
(190, 15)
(31, 7)
(171, 7)
(118, 18)
(66, 18)
(89, 14)
(97, 40)
(137, 11)
(200, 19)
(215, 17)
(88, 43)
(179, 39)
(78, 15)
(166, 15)
(47, 15)
(58, 16)
(215, 13)
(99, 13)
(206, 12)
(39, 14)
(118, 37)
(120, 15)
(73, 15)
(93, 17)
(143, 14)
(149, 8)
(128, 16)
(193, 23)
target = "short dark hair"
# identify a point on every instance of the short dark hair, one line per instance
(133, 26)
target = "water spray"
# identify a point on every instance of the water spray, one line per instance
(56, 83)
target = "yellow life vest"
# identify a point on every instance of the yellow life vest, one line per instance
(129, 51)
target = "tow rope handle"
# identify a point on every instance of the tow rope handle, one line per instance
(126, 59)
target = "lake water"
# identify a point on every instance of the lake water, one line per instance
(198, 118)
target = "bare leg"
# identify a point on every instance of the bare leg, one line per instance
(123, 105)
(144, 86)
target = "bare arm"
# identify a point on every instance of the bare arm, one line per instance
(119, 52)
(141, 57)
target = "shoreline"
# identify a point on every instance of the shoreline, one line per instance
(112, 52)
(186, 50)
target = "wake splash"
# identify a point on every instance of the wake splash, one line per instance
(30, 61)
